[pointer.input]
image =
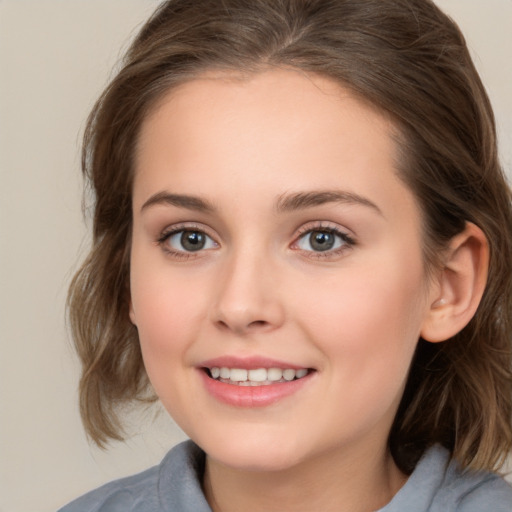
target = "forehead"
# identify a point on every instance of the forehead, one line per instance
(278, 92)
(267, 133)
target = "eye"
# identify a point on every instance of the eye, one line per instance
(188, 240)
(323, 240)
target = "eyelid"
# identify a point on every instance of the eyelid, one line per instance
(173, 229)
(322, 225)
(346, 236)
(184, 226)
(326, 226)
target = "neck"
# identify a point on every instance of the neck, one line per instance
(353, 480)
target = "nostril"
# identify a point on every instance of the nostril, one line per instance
(259, 326)
(242, 328)
(223, 325)
(258, 323)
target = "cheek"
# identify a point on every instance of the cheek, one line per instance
(367, 321)
(165, 311)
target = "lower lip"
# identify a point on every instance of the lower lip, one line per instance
(252, 396)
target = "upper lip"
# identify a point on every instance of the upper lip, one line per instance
(249, 363)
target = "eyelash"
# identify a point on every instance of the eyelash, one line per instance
(168, 233)
(348, 241)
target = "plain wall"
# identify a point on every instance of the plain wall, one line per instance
(55, 58)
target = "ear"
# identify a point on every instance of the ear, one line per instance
(132, 314)
(460, 286)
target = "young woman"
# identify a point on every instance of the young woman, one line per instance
(302, 243)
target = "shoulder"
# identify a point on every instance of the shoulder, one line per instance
(438, 484)
(484, 492)
(119, 495)
(474, 491)
(168, 486)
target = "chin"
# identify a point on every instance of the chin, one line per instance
(255, 453)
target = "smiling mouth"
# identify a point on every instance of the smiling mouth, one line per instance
(256, 377)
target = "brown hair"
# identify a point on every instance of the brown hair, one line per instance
(409, 60)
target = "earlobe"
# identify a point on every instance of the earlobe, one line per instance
(460, 287)
(132, 314)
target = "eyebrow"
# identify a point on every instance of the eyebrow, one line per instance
(180, 200)
(303, 200)
(285, 203)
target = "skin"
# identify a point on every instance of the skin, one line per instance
(353, 315)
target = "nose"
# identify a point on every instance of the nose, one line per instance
(248, 299)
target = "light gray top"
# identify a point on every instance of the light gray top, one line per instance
(436, 485)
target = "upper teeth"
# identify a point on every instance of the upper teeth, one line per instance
(258, 375)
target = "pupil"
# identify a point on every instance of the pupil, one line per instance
(321, 241)
(192, 240)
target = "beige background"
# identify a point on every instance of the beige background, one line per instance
(55, 57)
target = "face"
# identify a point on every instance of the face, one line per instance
(277, 281)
